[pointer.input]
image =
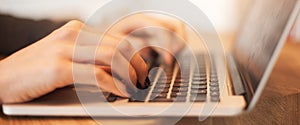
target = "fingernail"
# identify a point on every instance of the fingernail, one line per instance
(168, 61)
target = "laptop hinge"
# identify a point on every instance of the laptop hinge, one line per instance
(236, 79)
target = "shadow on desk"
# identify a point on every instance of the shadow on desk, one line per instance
(279, 103)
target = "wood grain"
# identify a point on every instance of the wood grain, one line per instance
(279, 103)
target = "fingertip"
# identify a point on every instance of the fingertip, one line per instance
(167, 57)
(143, 85)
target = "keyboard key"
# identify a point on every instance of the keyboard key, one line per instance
(181, 84)
(213, 75)
(158, 95)
(214, 93)
(163, 82)
(199, 86)
(165, 79)
(199, 79)
(198, 91)
(214, 88)
(181, 80)
(213, 79)
(182, 77)
(214, 99)
(160, 90)
(213, 84)
(198, 98)
(161, 100)
(180, 94)
(162, 86)
(200, 75)
(202, 80)
(199, 83)
(179, 99)
(180, 89)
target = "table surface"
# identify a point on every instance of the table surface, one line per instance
(279, 104)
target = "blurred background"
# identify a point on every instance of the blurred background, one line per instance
(225, 14)
(23, 22)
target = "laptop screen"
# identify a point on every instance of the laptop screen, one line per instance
(259, 36)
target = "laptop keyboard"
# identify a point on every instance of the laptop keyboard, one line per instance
(181, 82)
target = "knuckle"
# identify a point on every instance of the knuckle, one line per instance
(74, 23)
(102, 77)
(99, 74)
(133, 74)
(65, 33)
(106, 53)
(69, 30)
(125, 46)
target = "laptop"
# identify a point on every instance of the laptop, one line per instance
(191, 86)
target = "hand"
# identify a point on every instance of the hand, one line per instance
(144, 30)
(47, 65)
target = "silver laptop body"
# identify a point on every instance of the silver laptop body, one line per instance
(249, 64)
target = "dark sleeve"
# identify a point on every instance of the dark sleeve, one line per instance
(16, 33)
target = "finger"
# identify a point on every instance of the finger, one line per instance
(181, 30)
(67, 32)
(130, 53)
(75, 31)
(106, 56)
(125, 48)
(93, 75)
(106, 69)
(91, 36)
(148, 21)
(136, 42)
(135, 58)
(73, 24)
(166, 56)
(161, 42)
(140, 44)
(88, 38)
(179, 38)
(178, 31)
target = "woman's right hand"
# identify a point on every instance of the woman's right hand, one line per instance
(48, 64)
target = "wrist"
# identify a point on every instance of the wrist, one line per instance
(1, 81)
(4, 81)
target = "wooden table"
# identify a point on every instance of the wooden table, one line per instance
(280, 102)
